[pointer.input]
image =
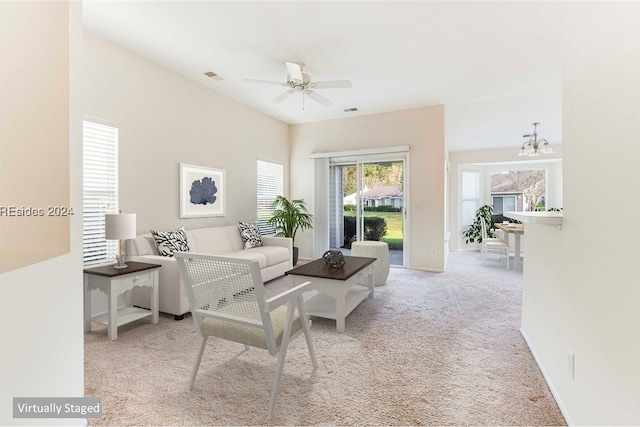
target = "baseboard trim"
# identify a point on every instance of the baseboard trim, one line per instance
(428, 270)
(547, 378)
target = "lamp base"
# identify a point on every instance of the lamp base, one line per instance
(120, 262)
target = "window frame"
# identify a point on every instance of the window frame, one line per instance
(100, 188)
(269, 185)
(469, 199)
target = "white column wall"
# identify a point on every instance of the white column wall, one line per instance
(582, 282)
(41, 334)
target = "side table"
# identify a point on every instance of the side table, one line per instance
(113, 282)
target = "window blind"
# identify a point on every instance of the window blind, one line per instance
(100, 189)
(270, 179)
(470, 196)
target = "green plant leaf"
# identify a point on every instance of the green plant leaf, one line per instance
(290, 216)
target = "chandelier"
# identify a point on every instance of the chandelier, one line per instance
(534, 145)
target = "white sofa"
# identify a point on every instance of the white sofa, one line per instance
(274, 258)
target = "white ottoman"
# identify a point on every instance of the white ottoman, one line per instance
(372, 249)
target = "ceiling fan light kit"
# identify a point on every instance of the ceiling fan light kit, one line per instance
(297, 81)
(534, 145)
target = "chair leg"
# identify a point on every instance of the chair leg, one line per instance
(196, 364)
(282, 354)
(276, 382)
(307, 333)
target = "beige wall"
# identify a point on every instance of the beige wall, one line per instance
(34, 130)
(41, 353)
(423, 130)
(166, 119)
(582, 281)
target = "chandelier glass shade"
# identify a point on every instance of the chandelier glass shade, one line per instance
(534, 145)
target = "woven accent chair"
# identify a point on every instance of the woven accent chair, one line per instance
(493, 244)
(227, 300)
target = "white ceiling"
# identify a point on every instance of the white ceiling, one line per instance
(496, 66)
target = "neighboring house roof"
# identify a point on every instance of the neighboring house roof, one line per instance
(502, 184)
(384, 191)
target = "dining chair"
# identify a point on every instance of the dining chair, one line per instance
(493, 244)
(227, 301)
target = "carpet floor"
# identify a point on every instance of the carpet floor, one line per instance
(429, 349)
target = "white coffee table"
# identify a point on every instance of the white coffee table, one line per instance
(340, 290)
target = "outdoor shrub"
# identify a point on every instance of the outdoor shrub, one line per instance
(497, 218)
(349, 230)
(374, 229)
(349, 207)
(387, 208)
(383, 208)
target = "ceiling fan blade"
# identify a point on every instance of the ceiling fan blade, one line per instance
(332, 84)
(282, 97)
(294, 71)
(318, 98)
(265, 82)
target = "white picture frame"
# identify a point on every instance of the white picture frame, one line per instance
(202, 191)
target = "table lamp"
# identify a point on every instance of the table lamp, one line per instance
(120, 227)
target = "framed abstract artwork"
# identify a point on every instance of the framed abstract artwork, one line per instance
(202, 191)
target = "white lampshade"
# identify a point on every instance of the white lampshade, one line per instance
(120, 226)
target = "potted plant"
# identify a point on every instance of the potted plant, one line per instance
(474, 232)
(289, 217)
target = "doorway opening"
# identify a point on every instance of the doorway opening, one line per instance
(367, 202)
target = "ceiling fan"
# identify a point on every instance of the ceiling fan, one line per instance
(297, 81)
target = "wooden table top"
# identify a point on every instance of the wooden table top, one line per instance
(319, 268)
(511, 228)
(132, 267)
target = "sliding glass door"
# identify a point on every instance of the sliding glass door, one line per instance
(367, 201)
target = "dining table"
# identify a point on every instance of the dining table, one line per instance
(518, 231)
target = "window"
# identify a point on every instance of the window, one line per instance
(100, 189)
(502, 204)
(270, 185)
(520, 190)
(470, 196)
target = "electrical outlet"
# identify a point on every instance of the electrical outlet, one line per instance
(571, 364)
(434, 251)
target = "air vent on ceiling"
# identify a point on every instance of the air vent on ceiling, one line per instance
(350, 110)
(213, 75)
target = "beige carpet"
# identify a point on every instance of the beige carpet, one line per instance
(430, 349)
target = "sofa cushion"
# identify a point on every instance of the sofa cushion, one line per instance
(250, 254)
(247, 334)
(170, 242)
(143, 244)
(273, 254)
(215, 240)
(250, 234)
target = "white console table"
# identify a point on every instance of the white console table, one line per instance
(113, 282)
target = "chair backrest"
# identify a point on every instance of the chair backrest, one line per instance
(229, 289)
(483, 226)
